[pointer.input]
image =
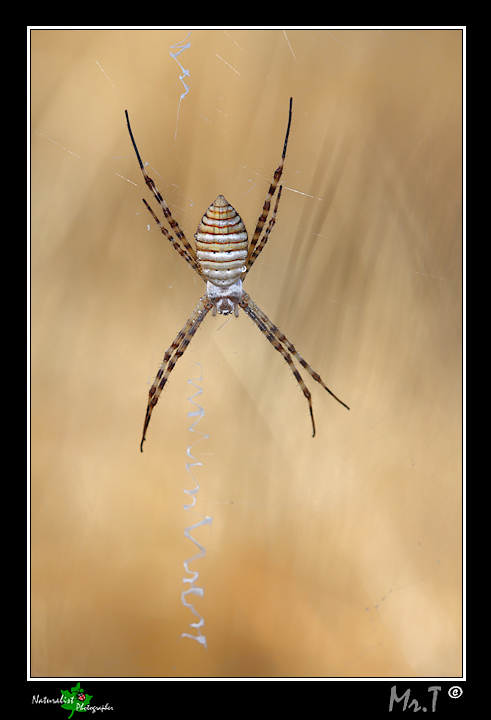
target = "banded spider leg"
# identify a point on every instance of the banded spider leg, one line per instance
(172, 355)
(281, 343)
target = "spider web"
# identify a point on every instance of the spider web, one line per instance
(193, 589)
(338, 556)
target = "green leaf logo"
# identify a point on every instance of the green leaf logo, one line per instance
(75, 700)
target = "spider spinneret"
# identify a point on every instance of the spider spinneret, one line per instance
(222, 258)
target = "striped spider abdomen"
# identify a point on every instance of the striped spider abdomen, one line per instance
(221, 244)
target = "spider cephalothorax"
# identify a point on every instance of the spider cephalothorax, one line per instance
(222, 258)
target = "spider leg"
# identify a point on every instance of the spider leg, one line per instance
(281, 343)
(182, 252)
(265, 237)
(250, 309)
(291, 348)
(251, 257)
(190, 252)
(172, 355)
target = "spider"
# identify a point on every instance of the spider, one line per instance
(222, 259)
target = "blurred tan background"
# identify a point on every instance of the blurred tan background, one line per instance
(334, 556)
